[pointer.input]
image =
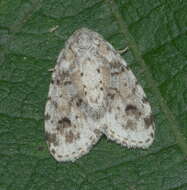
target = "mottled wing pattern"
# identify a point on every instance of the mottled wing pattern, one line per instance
(72, 111)
(92, 91)
(129, 120)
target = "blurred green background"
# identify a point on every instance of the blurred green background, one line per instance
(32, 33)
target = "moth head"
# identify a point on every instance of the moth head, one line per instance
(82, 40)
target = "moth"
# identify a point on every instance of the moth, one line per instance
(93, 92)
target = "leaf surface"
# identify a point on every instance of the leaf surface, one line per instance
(32, 33)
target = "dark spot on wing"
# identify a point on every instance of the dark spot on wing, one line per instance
(51, 138)
(60, 121)
(97, 132)
(60, 129)
(145, 100)
(132, 110)
(57, 81)
(148, 121)
(63, 124)
(53, 151)
(66, 122)
(55, 104)
(47, 117)
(67, 83)
(111, 95)
(130, 107)
(152, 135)
(69, 137)
(59, 156)
(115, 73)
(79, 102)
(98, 70)
(131, 125)
(81, 74)
(127, 67)
(134, 90)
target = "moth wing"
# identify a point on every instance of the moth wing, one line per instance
(68, 132)
(129, 120)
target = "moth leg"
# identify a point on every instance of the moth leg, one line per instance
(51, 70)
(122, 51)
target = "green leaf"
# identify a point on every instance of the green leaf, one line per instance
(32, 33)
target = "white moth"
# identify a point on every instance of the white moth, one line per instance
(93, 92)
